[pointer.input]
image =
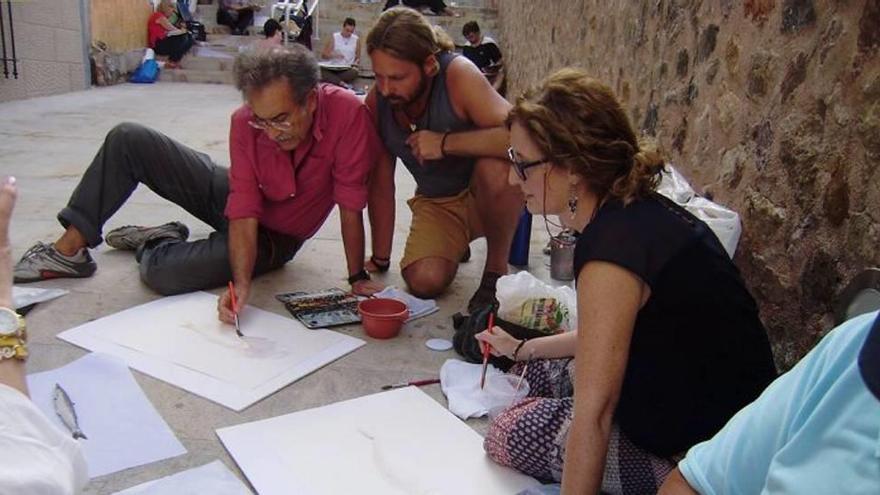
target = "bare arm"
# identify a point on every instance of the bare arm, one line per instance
(675, 484)
(551, 347)
(352, 224)
(474, 99)
(609, 298)
(242, 256)
(381, 208)
(357, 51)
(327, 51)
(11, 370)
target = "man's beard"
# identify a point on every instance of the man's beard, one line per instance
(399, 102)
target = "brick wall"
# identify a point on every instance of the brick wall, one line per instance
(48, 40)
(773, 106)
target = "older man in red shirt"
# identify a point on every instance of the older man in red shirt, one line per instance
(298, 148)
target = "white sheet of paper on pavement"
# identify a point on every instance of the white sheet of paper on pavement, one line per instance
(213, 478)
(178, 339)
(123, 428)
(25, 296)
(399, 442)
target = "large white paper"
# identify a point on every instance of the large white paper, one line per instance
(123, 428)
(400, 442)
(178, 339)
(213, 478)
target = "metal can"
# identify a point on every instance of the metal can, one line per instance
(562, 255)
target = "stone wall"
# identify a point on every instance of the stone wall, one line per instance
(49, 48)
(770, 106)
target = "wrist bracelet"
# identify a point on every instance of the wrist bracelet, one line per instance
(518, 347)
(443, 144)
(357, 277)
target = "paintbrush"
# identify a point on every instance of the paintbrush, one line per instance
(486, 352)
(525, 368)
(234, 309)
(416, 383)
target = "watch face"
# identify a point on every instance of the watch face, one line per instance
(8, 322)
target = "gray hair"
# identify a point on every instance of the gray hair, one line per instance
(255, 69)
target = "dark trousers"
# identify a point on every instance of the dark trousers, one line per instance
(132, 155)
(175, 46)
(338, 77)
(436, 6)
(238, 20)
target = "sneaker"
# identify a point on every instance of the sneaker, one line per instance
(132, 237)
(485, 293)
(43, 261)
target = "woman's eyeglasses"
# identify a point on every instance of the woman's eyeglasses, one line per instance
(520, 166)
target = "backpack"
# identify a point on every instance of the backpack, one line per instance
(469, 348)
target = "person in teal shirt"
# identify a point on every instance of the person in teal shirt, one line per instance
(815, 429)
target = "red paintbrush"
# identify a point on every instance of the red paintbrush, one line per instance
(486, 352)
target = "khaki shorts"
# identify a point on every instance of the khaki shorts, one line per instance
(441, 227)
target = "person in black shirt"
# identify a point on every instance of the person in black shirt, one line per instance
(668, 345)
(483, 51)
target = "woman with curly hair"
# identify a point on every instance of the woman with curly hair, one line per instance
(668, 344)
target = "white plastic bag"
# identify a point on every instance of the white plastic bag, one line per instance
(723, 221)
(527, 301)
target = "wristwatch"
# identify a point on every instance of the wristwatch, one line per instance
(13, 335)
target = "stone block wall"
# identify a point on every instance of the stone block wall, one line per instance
(770, 106)
(49, 48)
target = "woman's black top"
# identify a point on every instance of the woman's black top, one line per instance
(699, 351)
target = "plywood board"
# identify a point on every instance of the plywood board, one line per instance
(121, 24)
(179, 340)
(400, 442)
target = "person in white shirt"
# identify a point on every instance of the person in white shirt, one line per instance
(36, 458)
(341, 55)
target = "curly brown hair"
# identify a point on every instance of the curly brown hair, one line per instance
(577, 122)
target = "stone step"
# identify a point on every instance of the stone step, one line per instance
(208, 63)
(196, 76)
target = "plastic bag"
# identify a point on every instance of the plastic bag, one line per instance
(527, 301)
(724, 222)
(146, 73)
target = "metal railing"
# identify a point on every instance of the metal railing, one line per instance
(3, 47)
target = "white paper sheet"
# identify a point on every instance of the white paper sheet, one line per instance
(123, 428)
(213, 478)
(25, 296)
(179, 340)
(400, 442)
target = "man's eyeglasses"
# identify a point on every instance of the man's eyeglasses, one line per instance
(520, 166)
(264, 125)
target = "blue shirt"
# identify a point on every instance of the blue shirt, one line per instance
(815, 429)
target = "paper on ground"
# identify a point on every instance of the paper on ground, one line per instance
(213, 478)
(417, 307)
(123, 428)
(178, 339)
(400, 442)
(25, 296)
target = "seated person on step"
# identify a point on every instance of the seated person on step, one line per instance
(668, 344)
(483, 51)
(342, 53)
(237, 14)
(166, 38)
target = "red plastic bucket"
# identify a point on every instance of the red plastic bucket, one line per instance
(382, 318)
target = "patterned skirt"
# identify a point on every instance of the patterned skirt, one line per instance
(531, 436)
